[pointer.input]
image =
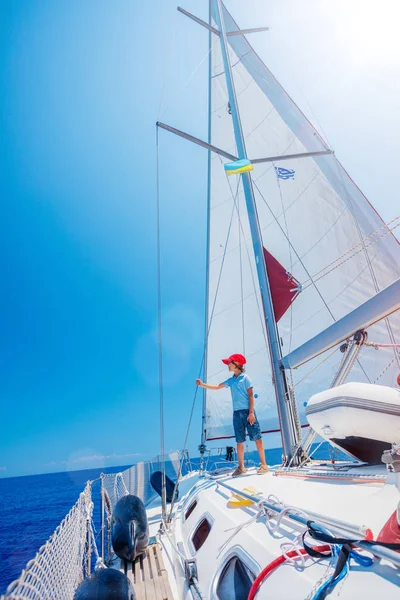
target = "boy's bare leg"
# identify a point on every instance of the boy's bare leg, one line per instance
(240, 453)
(261, 452)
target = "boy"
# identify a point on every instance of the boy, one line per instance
(244, 416)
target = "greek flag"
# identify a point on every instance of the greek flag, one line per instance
(282, 173)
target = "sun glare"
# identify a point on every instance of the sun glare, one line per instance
(369, 30)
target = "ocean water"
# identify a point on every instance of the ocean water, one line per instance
(33, 506)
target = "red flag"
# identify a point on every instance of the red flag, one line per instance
(284, 287)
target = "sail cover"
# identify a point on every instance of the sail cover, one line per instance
(314, 220)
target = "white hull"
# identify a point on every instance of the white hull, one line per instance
(361, 497)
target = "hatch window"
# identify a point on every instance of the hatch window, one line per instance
(201, 534)
(190, 509)
(235, 581)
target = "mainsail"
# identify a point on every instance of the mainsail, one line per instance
(314, 220)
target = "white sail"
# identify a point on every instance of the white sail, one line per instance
(315, 221)
(235, 316)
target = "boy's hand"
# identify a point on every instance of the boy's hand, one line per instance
(199, 382)
(251, 418)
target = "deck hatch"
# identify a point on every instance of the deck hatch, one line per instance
(190, 509)
(201, 534)
(235, 580)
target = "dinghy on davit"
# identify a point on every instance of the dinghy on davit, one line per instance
(361, 419)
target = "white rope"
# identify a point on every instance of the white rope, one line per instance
(269, 513)
(294, 546)
(285, 509)
(377, 346)
(242, 526)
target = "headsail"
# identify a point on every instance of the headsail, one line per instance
(314, 221)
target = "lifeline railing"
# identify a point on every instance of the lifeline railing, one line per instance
(67, 558)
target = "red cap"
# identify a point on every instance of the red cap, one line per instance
(398, 379)
(237, 358)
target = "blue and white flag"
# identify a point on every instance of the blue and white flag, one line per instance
(282, 173)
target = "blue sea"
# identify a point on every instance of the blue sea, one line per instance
(33, 506)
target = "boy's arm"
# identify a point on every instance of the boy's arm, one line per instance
(251, 418)
(209, 386)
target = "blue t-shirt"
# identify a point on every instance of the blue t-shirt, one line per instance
(239, 386)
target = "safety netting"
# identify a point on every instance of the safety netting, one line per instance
(70, 554)
(63, 561)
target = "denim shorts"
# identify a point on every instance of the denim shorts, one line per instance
(240, 424)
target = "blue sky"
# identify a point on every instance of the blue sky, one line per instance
(81, 86)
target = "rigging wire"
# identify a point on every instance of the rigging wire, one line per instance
(305, 268)
(385, 369)
(305, 321)
(204, 349)
(160, 353)
(293, 248)
(173, 40)
(189, 79)
(324, 136)
(270, 167)
(322, 272)
(240, 251)
(342, 171)
(297, 383)
(241, 278)
(284, 211)
(290, 258)
(260, 314)
(326, 233)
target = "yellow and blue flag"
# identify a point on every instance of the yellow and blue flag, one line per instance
(237, 167)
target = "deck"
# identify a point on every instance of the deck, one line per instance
(149, 576)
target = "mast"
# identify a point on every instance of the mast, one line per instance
(203, 415)
(290, 437)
